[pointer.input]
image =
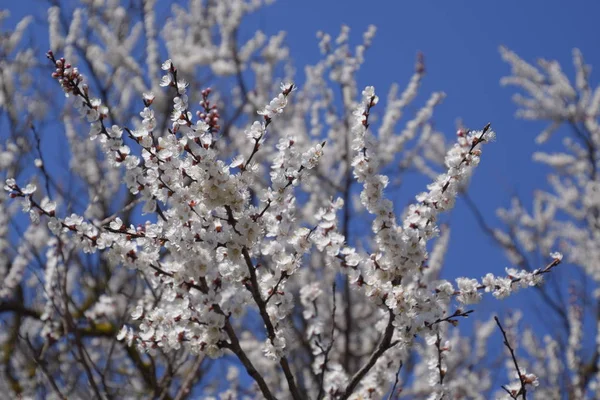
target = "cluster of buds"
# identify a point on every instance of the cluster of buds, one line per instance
(210, 115)
(67, 75)
(420, 64)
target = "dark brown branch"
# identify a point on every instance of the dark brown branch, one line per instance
(11, 306)
(236, 348)
(328, 349)
(438, 345)
(253, 287)
(383, 346)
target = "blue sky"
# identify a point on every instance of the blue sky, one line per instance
(460, 42)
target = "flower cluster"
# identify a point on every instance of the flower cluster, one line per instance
(227, 222)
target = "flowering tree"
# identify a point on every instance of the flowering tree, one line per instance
(565, 215)
(204, 218)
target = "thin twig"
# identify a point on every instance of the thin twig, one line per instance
(396, 381)
(328, 349)
(438, 345)
(384, 345)
(189, 380)
(523, 390)
(41, 363)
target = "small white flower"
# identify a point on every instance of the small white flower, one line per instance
(167, 65)
(47, 205)
(287, 87)
(11, 183)
(73, 220)
(166, 80)
(468, 289)
(137, 312)
(148, 97)
(556, 255)
(122, 333)
(55, 225)
(29, 189)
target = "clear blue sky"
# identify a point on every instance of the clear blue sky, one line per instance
(460, 42)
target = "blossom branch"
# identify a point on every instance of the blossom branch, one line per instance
(438, 346)
(523, 390)
(41, 364)
(253, 287)
(384, 345)
(396, 380)
(327, 350)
